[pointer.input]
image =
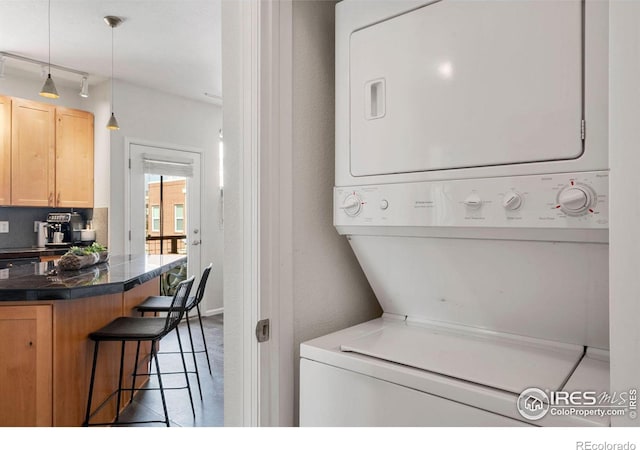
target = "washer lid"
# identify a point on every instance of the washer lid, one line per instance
(503, 362)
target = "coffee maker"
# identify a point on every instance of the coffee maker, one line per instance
(63, 229)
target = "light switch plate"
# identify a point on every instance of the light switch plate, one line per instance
(4, 226)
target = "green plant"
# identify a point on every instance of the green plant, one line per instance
(83, 251)
(79, 251)
(97, 248)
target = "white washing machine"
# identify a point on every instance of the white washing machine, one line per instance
(472, 185)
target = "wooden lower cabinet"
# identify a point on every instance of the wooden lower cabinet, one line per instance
(46, 358)
(25, 366)
(73, 352)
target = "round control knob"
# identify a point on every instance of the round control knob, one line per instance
(384, 204)
(512, 201)
(352, 205)
(575, 200)
(473, 201)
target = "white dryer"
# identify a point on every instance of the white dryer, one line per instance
(472, 185)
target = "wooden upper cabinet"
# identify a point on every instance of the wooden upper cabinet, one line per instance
(32, 153)
(74, 158)
(5, 150)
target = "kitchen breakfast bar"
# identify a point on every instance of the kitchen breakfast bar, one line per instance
(46, 316)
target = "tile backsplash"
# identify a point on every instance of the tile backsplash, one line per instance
(21, 220)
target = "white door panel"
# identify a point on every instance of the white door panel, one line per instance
(465, 84)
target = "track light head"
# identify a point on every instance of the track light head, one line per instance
(84, 87)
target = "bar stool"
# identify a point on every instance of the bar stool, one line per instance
(140, 329)
(160, 304)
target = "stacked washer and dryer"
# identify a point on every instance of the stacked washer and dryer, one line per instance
(472, 185)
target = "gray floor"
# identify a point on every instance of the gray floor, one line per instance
(147, 405)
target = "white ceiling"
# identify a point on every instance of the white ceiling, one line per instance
(168, 45)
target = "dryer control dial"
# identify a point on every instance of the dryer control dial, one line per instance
(352, 205)
(576, 200)
(512, 201)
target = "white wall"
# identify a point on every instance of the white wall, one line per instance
(99, 100)
(624, 156)
(330, 291)
(165, 119)
(234, 315)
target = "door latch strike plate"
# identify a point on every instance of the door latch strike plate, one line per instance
(262, 330)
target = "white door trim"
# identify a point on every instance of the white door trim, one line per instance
(257, 63)
(276, 213)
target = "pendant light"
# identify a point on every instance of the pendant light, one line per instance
(113, 22)
(49, 89)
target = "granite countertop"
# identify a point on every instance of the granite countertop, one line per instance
(43, 281)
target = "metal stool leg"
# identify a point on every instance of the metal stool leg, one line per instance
(135, 372)
(154, 356)
(193, 354)
(93, 376)
(120, 381)
(204, 341)
(186, 375)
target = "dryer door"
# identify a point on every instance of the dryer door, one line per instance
(459, 84)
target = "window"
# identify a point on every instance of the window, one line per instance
(155, 218)
(179, 218)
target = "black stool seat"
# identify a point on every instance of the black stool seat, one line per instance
(131, 329)
(161, 303)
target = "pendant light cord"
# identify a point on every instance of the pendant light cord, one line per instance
(112, 108)
(49, 24)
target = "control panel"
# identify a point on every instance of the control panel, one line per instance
(576, 200)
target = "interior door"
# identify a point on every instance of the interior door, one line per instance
(181, 220)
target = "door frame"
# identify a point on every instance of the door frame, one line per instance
(128, 142)
(258, 275)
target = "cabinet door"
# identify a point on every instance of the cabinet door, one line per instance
(26, 366)
(74, 158)
(5, 151)
(32, 153)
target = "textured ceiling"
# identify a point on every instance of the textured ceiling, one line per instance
(169, 45)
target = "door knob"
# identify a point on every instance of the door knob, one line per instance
(196, 242)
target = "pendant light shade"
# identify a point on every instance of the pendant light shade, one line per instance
(112, 124)
(112, 21)
(49, 88)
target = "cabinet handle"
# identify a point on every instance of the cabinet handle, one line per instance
(58, 200)
(50, 198)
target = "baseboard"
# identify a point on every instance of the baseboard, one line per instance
(213, 312)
